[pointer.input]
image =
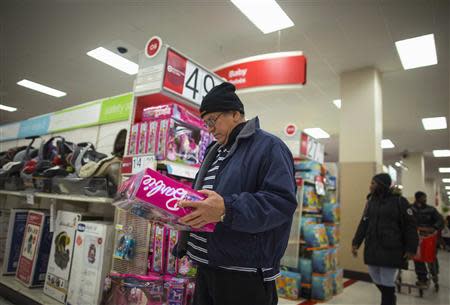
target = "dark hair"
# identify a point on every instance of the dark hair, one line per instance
(419, 194)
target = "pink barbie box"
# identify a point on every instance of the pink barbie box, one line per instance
(155, 197)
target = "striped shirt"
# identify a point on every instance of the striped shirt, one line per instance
(197, 242)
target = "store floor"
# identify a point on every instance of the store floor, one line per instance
(363, 293)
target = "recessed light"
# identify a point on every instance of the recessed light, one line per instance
(386, 144)
(417, 52)
(7, 108)
(337, 103)
(114, 60)
(441, 153)
(41, 88)
(434, 123)
(267, 15)
(317, 133)
(444, 169)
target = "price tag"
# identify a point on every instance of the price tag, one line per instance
(182, 170)
(142, 162)
(320, 186)
(312, 149)
(30, 198)
(198, 82)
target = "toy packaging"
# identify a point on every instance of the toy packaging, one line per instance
(16, 230)
(34, 254)
(331, 213)
(332, 234)
(307, 220)
(61, 254)
(186, 267)
(180, 134)
(4, 224)
(133, 145)
(322, 287)
(310, 199)
(131, 244)
(288, 285)
(171, 261)
(338, 281)
(152, 137)
(178, 291)
(312, 166)
(159, 248)
(305, 266)
(321, 261)
(333, 258)
(143, 136)
(315, 235)
(91, 260)
(155, 197)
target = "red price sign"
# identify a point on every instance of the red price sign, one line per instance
(290, 130)
(187, 78)
(153, 47)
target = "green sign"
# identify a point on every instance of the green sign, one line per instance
(116, 109)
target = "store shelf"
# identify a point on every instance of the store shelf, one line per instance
(79, 198)
(19, 291)
(179, 169)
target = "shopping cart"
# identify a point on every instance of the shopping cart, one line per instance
(426, 253)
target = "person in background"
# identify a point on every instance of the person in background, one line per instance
(248, 179)
(428, 221)
(389, 230)
(446, 234)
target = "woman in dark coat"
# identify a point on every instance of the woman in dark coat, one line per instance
(389, 230)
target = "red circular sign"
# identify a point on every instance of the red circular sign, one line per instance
(290, 130)
(153, 46)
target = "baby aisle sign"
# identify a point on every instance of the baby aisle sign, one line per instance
(154, 196)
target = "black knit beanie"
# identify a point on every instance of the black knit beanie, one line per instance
(383, 179)
(221, 98)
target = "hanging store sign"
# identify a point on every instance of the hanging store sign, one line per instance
(187, 79)
(274, 69)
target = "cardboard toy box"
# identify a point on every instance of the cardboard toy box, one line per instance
(61, 254)
(13, 244)
(92, 262)
(34, 254)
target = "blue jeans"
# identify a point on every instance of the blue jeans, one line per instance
(383, 275)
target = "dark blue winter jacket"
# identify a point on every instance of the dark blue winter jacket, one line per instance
(257, 182)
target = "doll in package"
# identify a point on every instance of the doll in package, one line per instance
(159, 248)
(125, 243)
(171, 261)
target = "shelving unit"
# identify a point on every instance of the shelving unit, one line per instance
(20, 294)
(67, 197)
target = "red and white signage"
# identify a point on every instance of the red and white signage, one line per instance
(275, 69)
(188, 79)
(290, 130)
(311, 148)
(153, 47)
(134, 164)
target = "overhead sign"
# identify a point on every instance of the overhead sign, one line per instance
(153, 46)
(274, 69)
(290, 130)
(311, 149)
(187, 79)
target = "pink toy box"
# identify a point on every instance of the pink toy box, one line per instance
(174, 134)
(155, 197)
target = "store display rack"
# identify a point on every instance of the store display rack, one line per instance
(19, 294)
(78, 198)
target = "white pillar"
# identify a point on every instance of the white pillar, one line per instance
(413, 179)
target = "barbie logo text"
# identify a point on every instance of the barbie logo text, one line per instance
(154, 187)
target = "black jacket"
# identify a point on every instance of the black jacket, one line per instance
(428, 216)
(389, 230)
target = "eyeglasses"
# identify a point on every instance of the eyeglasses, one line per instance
(210, 123)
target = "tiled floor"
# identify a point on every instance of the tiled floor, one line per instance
(362, 293)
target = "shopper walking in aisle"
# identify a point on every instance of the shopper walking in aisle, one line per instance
(248, 178)
(389, 231)
(429, 221)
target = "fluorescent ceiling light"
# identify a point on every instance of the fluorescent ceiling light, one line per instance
(434, 123)
(41, 88)
(386, 143)
(444, 169)
(267, 15)
(446, 180)
(447, 187)
(337, 103)
(441, 153)
(7, 108)
(114, 60)
(317, 133)
(417, 52)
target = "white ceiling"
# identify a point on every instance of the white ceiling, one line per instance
(47, 41)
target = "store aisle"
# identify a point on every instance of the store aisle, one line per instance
(366, 293)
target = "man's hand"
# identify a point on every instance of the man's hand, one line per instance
(354, 251)
(206, 211)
